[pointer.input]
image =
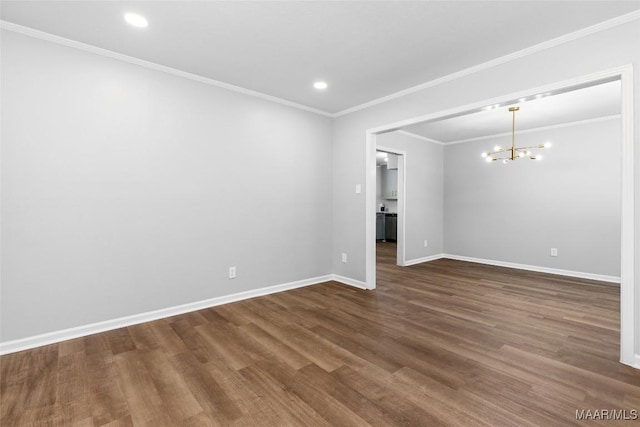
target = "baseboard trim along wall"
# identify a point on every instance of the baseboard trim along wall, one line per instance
(570, 273)
(637, 361)
(347, 281)
(415, 261)
(94, 328)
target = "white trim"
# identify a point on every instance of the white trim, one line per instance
(401, 220)
(637, 361)
(538, 129)
(121, 322)
(402, 201)
(10, 26)
(627, 271)
(348, 281)
(628, 314)
(602, 26)
(528, 267)
(415, 135)
(505, 99)
(370, 214)
(539, 269)
(605, 25)
(423, 259)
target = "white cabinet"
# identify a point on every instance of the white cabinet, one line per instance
(392, 161)
(389, 183)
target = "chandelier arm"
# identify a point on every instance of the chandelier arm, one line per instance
(531, 146)
(505, 150)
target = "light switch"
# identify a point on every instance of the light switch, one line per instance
(358, 188)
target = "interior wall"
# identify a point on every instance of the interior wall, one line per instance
(126, 190)
(604, 50)
(424, 193)
(569, 200)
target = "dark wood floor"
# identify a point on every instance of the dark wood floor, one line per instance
(440, 343)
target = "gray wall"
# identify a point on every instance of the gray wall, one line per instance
(126, 190)
(424, 186)
(604, 50)
(569, 200)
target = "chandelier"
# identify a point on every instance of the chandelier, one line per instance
(514, 153)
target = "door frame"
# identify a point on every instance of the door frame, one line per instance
(627, 271)
(402, 204)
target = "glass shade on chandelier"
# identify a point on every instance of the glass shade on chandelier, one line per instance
(512, 153)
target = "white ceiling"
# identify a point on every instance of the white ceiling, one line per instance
(363, 49)
(602, 100)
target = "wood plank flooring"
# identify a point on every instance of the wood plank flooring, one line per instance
(439, 343)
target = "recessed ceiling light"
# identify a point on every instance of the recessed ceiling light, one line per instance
(320, 85)
(136, 20)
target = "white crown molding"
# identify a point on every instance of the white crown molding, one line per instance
(10, 26)
(539, 129)
(614, 22)
(423, 138)
(122, 322)
(539, 269)
(587, 31)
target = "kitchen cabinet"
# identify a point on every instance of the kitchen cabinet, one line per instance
(391, 227)
(389, 183)
(392, 161)
(387, 226)
(380, 226)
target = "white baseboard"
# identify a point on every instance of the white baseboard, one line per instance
(347, 281)
(415, 261)
(570, 273)
(93, 328)
(634, 362)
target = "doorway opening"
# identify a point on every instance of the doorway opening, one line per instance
(390, 200)
(627, 268)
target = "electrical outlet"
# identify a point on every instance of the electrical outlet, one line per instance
(554, 251)
(426, 244)
(344, 257)
(232, 272)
